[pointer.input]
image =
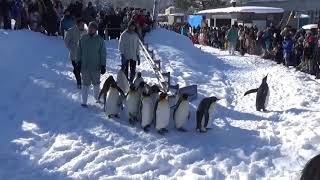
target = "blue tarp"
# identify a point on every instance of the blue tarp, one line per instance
(195, 20)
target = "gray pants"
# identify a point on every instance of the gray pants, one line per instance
(89, 78)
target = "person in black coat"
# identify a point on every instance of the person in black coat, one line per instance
(5, 8)
(50, 22)
(102, 24)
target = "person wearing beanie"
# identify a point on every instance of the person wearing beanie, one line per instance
(129, 50)
(91, 59)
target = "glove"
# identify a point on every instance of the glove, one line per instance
(138, 60)
(103, 70)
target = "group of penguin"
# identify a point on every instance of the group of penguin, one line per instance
(149, 106)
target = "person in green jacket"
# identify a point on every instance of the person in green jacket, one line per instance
(91, 59)
(232, 38)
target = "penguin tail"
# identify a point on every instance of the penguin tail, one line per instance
(251, 91)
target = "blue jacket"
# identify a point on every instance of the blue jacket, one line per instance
(17, 9)
(67, 23)
(184, 31)
(287, 46)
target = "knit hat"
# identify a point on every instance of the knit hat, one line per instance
(93, 25)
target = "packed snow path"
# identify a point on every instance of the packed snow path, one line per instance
(46, 134)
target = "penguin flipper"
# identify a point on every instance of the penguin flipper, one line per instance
(251, 91)
(206, 119)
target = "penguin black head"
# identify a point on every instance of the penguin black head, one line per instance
(139, 75)
(132, 87)
(185, 96)
(265, 78)
(145, 94)
(214, 99)
(163, 95)
(142, 84)
(113, 85)
(155, 89)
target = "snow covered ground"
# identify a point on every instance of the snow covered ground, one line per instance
(45, 134)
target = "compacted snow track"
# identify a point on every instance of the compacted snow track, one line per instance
(46, 134)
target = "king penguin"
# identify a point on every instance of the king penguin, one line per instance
(113, 102)
(263, 94)
(146, 111)
(162, 114)
(132, 103)
(138, 80)
(181, 112)
(204, 113)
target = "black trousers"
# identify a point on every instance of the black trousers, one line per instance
(133, 65)
(6, 22)
(76, 72)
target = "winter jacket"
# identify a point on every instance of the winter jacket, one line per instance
(89, 14)
(17, 9)
(184, 31)
(91, 53)
(67, 23)
(71, 41)
(129, 45)
(232, 35)
(287, 46)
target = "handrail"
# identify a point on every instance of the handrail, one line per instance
(162, 81)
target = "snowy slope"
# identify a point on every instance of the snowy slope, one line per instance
(45, 133)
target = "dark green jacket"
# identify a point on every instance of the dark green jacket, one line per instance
(91, 53)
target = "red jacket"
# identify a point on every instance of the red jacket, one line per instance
(141, 20)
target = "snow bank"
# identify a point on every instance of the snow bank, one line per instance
(46, 135)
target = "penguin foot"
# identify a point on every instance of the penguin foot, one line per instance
(146, 129)
(165, 130)
(84, 105)
(161, 132)
(182, 130)
(132, 121)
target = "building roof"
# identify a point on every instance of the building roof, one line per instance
(243, 9)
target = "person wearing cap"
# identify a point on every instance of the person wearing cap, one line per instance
(129, 50)
(71, 40)
(91, 59)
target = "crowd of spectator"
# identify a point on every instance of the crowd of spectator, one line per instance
(289, 46)
(51, 17)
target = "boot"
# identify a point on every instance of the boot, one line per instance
(96, 91)
(85, 90)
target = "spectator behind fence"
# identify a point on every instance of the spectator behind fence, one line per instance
(67, 22)
(5, 7)
(232, 38)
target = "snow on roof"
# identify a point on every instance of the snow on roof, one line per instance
(310, 26)
(243, 9)
(177, 14)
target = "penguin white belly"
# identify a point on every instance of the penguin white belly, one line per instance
(112, 102)
(210, 120)
(123, 82)
(162, 115)
(132, 103)
(146, 112)
(181, 114)
(267, 99)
